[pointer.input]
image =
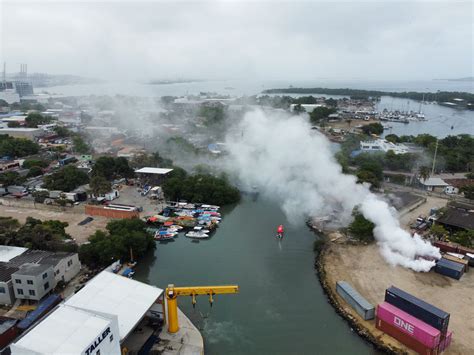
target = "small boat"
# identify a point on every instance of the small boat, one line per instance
(197, 235)
(200, 229)
(280, 231)
(164, 235)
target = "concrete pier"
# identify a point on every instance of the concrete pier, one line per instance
(187, 341)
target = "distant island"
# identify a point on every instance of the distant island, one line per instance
(457, 99)
(176, 81)
(469, 78)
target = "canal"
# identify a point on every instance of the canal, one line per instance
(281, 308)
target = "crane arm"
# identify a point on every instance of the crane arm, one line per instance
(202, 290)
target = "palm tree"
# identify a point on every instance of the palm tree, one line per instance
(424, 173)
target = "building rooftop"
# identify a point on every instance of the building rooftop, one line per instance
(8, 252)
(118, 295)
(457, 218)
(32, 269)
(158, 171)
(433, 181)
(67, 330)
(6, 272)
(6, 323)
(29, 256)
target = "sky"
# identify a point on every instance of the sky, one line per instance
(297, 40)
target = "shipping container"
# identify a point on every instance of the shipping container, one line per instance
(446, 247)
(355, 300)
(445, 342)
(470, 258)
(455, 259)
(8, 331)
(465, 250)
(449, 268)
(43, 307)
(420, 309)
(424, 333)
(404, 338)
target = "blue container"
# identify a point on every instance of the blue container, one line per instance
(43, 307)
(449, 268)
(420, 309)
(365, 309)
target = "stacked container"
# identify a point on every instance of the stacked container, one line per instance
(449, 268)
(458, 260)
(413, 322)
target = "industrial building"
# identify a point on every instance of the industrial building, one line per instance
(27, 133)
(99, 319)
(382, 145)
(22, 272)
(71, 330)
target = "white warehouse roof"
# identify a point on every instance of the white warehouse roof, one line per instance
(7, 252)
(159, 171)
(67, 330)
(117, 295)
(433, 181)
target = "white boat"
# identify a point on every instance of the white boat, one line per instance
(200, 229)
(197, 235)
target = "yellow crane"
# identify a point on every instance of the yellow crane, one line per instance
(173, 292)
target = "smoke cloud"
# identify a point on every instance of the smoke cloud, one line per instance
(292, 164)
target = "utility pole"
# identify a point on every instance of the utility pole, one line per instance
(434, 158)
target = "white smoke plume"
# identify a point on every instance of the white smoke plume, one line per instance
(293, 164)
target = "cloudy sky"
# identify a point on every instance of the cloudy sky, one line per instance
(240, 39)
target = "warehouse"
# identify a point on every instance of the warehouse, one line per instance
(27, 133)
(98, 319)
(69, 330)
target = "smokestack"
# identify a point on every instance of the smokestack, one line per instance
(4, 72)
(26, 71)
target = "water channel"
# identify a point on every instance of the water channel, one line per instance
(281, 308)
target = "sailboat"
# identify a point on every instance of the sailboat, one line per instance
(280, 231)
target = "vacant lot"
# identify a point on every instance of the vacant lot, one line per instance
(79, 233)
(364, 268)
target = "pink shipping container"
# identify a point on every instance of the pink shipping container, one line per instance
(445, 342)
(422, 332)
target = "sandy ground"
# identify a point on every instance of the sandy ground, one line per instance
(79, 233)
(365, 269)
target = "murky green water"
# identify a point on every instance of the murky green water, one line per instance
(281, 308)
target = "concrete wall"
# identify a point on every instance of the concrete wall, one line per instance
(24, 203)
(67, 268)
(38, 284)
(110, 213)
(7, 297)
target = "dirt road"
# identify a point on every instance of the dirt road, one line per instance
(79, 233)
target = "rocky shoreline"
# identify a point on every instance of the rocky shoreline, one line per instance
(332, 299)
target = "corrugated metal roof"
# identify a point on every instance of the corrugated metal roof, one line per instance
(355, 295)
(118, 295)
(6, 272)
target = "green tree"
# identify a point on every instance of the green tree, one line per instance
(465, 238)
(11, 178)
(424, 172)
(29, 163)
(17, 147)
(122, 236)
(468, 191)
(34, 171)
(393, 138)
(298, 109)
(80, 146)
(370, 171)
(66, 179)
(438, 231)
(34, 119)
(111, 168)
(320, 113)
(40, 196)
(99, 185)
(62, 131)
(361, 228)
(373, 128)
